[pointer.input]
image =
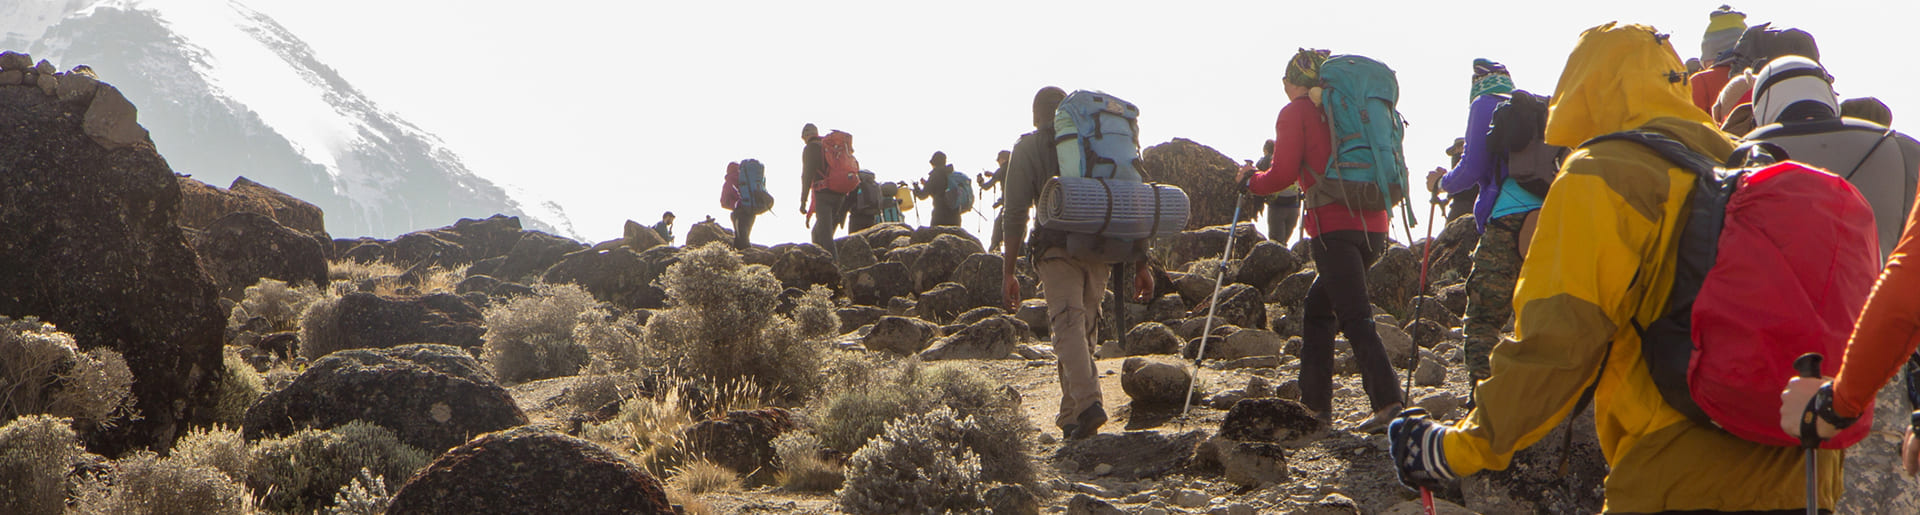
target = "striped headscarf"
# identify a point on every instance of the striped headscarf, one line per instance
(1490, 78)
(1304, 68)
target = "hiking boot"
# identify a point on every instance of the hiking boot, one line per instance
(1087, 424)
(1378, 422)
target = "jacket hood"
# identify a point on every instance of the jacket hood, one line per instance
(1619, 77)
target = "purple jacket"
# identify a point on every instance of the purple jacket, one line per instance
(1476, 166)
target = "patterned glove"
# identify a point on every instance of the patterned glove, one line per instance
(1416, 450)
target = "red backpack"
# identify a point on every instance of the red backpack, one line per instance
(1774, 262)
(842, 169)
(730, 190)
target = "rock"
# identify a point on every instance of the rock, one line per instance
(365, 252)
(906, 255)
(1454, 297)
(1208, 242)
(1167, 308)
(1440, 403)
(532, 469)
(1011, 500)
(1266, 263)
(1426, 333)
(1398, 344)
(1035, 353)
(856, 316)
(1271, 420)
(241, 248)
(1430, 309)
(1240, 306)
(1192, 287)
(852, 252)
(368, 321)
(977, 314)
(638, 237)
(1083, 504)
(536, 251)
(11, 60)
(425, 247)
(742, 440)
(901, 335)
(874, 284)
(88, 243)
(431, 396)
(1144, 339)
(1440, 507)
(802, 265)
(12, 77)
(1532, 483)
(1190, 498)
(1134, 455)
(1253, 464)
(1155, 384)
(618, 276)
(993, 338)
(45, 68)
(944, 302)
(202, 203)
(1332, 504)
(940, 259)
(981, 274)
(1205, 174)
(76, 87)
(1292, 291)
(1033, 312)
(1393, 279)
(1244, 343)
(931, 233)
(485, 238)
(882, 237)
(1430, 373)
(710, 231)
(1452, 254)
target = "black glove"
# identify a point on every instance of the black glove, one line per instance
(1415, 446)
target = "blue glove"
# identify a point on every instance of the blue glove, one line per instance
(1416, 450)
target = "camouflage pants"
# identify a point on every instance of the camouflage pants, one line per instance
(1496, 266)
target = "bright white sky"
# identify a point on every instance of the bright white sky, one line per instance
(620, 109)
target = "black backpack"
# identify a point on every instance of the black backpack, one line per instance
(1517, 142)
(866, 199)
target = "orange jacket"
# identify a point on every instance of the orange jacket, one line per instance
(1888, 331)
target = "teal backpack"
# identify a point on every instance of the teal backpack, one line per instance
(960, 191)
(1097, 136)
(1367, 171)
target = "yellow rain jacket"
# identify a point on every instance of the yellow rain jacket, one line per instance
(1601, 259)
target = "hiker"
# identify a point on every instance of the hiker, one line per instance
(1283, 208)
(865, 204)
(665, 227)
(826, 178)
(1797, 112)
(1889, 328)
(890, 203)
(1724, 27)
(1344, 242)
(987, 181)
(1759, 45)
(1073, 284)
(938, 185)
(745, 195)
(1504, 207)
(1459, 203)
(1603, 262)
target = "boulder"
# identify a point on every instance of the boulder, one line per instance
(1454, 297)
(900, 335)
(1426, 307)
(618, 276)
(432, 248)
(993, 338)
(638, 237)
(931, 233)
(1440, 403)
(853, 252)
(366, 252)
(431, 396)
(742, 440)
(1207, 177)
(1242, 343)
(1144, 339)
(1033, 312)
(202, 203)
(708, 231)
(241, 248)
(852, 317)
(875, 284)
(1167, 308)
(1189, 246)
(88, 243)
(1452, 256)
(1133, 455)
(363, 320)
(802, 265)
(882, 237)
(532, 470)
(975, 315)
(1432, 372)
(1271, 420)
(1195, 289)
(1254, 464)
(1292, 290)
(476, 283)
(944, 302)
(1426, 333)
(1399, 345)
(1394, 279)
(535, 252)
(1155, 384)
(485, 238)
(981, 274)
(908, 255)
(1083, 504)
(1532, 483)
(1266, 263)
(1240, 305)
(942, 256)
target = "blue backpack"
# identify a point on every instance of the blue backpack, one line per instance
(1367, 170)
(960, 191)
(753, 188)
(1097, 136)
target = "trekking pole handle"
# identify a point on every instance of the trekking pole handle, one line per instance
(1808, 366)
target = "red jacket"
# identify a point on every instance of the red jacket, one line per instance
(1707, 85)
(1302, 144)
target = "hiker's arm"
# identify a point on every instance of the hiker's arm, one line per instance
(813, 167)
(1572, 298)
(1019, 195)
(1289, 147)
(1475, 159)
(1888, 331)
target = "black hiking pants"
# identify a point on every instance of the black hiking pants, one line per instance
(829, 212)
(742, 227)
(1337, 303)
(948, 216)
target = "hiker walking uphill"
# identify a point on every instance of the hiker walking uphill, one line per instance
(1283, 208)
(946, 193)
(745, 195)
(1724, 27)
(1495, 166)
(1797, 112)
(828, 173)
(1602, 275)
(1346, 237)
(987, 181)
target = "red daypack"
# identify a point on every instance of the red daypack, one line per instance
(842, 169)
(1773, 263)
(730, 190)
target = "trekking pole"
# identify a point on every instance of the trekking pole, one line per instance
(1425, 254)
(1808, 365)
(1213, 304)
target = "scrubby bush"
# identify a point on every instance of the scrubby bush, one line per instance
(850, 419)
(921, 463)
(801, 468)
(704, 477)
(220, 448)
(303, 471)
(367, 495)
(42, 370)
(146, 484)
(386, 278)
(816, 315)
(320, 333)
(652, 429)
(240, 387)
(276, 302)
(35, 453)
(614, 344)
(532, 337)
(721, 326)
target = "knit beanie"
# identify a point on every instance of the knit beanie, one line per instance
(1724, 26)
(1489, 78)
(1304, 68)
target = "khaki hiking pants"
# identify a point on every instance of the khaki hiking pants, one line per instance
(1073, 289)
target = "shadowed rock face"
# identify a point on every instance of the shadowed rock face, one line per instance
(431, 396)
(88, 242)
(530, 470)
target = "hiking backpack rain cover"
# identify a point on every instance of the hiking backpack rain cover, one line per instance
(753, 194)
(1367, 171)
(1773, 263)
(842, 169)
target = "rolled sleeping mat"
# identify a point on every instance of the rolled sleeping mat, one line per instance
(1121, 209)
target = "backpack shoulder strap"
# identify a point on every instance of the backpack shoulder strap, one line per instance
(1668, 148)
(1868, 155)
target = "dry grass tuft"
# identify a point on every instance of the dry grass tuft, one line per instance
(704, 477)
